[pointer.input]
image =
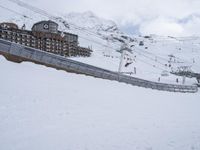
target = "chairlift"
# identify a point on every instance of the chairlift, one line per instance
(127, 64)
(164, 73)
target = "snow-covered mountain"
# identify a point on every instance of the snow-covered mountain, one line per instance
(90, 21)
(43, 108)
(152, 56)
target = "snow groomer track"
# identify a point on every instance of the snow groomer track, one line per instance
(19, 53)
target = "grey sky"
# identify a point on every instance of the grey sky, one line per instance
(164, 17)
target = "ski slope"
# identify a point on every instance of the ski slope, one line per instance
(42, 108)
(105, 39)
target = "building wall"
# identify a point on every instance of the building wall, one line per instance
(52, 27)
(69, 37)
(45, 26)
(8, 25)
(50, 42)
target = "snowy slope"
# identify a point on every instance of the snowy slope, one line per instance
(91, 21)
(42, 108)
(105, 38)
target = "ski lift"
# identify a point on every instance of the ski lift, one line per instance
(165, 73)
(128, 61)
(127, 64)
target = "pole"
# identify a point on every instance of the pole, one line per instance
(121, 60)
(183, 82)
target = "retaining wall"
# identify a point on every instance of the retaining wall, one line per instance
(19, 53)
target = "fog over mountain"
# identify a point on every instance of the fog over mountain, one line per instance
(172, 17)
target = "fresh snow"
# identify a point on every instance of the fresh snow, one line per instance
(43, 108)
(104, 37)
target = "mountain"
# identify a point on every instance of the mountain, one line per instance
(90, 21)
(154, 57)
(44, 108)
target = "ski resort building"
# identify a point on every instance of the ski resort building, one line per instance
(44, 36)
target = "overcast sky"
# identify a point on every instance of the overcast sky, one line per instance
(164, 17)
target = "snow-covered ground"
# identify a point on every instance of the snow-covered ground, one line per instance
(42, 108)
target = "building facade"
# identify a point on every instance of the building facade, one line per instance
(45, 36)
